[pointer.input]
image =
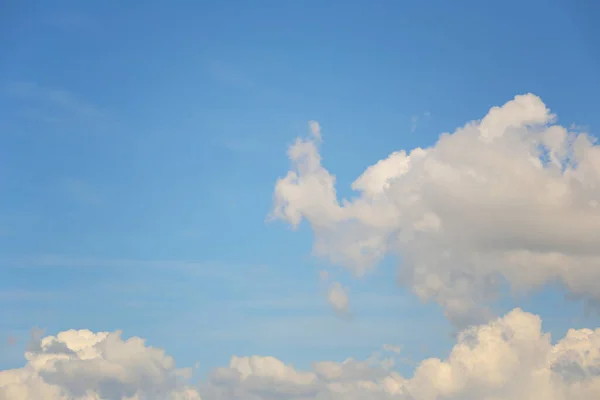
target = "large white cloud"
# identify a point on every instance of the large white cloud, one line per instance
(82, 365)
(509, 358)
(512, 197)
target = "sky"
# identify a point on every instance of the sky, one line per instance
(266, 189)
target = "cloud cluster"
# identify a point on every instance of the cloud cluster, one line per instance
(82, 365)
(512, 198)
(506, 359)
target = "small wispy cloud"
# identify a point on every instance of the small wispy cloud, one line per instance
(337, 297)
(49, 104)
(392, 348)
(413, 123)
(315, 129)
(414, 120)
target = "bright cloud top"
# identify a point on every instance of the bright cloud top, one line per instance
(510, 197)
(84, 365)
(508, 358)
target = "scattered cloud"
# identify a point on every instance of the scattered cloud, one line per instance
(338, 298)
(392, 348)
(414, 120)
(505, 359)
(315, 129)
(511, 198)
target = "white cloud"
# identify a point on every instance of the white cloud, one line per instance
(413, 123)
(512, 197)
(509, 358)
(315, 129)
(83, 365)
(392, 348)
(338, 298)
(506, 359)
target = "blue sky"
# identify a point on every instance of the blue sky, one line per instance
(140, 145)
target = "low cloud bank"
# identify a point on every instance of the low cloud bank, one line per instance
(508, 358)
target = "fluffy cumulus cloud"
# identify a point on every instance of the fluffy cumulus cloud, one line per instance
(82, 365)
(506, 359)
(509, 358)
(513, 197)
